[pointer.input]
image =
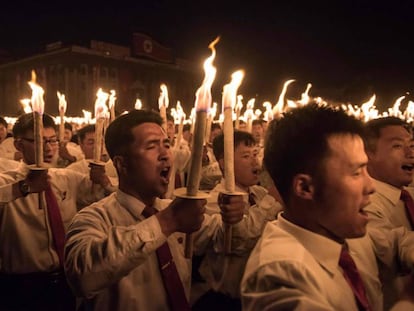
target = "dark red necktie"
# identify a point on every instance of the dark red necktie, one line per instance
(409, 206)
(56, 223)
(353, 278)
(172, 282)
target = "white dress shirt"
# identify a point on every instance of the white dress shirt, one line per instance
(111, 259)
(265, 209)
(292, 268)
(26, 243)
(388, 217)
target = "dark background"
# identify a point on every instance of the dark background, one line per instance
(348, 50)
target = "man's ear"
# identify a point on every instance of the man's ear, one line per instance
(303, 186)
(120, 164)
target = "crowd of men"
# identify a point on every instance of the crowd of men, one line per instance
(321, 217)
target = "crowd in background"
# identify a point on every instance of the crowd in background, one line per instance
(110, 234)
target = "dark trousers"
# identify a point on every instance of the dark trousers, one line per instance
(36, 291)
(216, 301)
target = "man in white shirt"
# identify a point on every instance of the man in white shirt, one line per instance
(31, 261)
(86, 137)
(261, 206)
(315, 155)
(69, 151)
(390, 148)
(112, 245)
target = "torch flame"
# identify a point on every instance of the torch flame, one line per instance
(38, 104)
(249, 109)
(101, 109)
(203, 94)
(268, 114)
(395, 110)
(26, 105)
(278, 108)
(213, 111)
(62, 102)
(409, 111)
(257, 113)
(87, 116)
(250, 104)
(178, 113)
(112, 98)
(304, 100)
(368, 107)
(239, 105)
(138, 104)
(163, 100)
(230, 89)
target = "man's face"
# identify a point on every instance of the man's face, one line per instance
(345, 189)
(393, 160)
(149, 160)
(246, 166)
(3, 132)
(88, 144)
(26, 145)
(257, 132)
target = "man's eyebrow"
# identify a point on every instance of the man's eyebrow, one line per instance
(151, 141)
(358, 165)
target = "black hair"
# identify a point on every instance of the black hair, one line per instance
(119, 136)
(239, 138)
(170, 117)
(25, 123)
(186, 127)
(68, 126)
(215, 126)
(257, 122)
(298, 142)
(3, 121)
(90, 128)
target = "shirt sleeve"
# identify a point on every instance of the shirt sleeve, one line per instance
(244, 234)
(98, 254)
(282, 286)
(394, 246)
(86, 192)
(6, 188)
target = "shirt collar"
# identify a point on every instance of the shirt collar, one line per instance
(132, 204)
(391, 193)
(324, 250)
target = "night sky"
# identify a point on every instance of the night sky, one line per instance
(348, 50)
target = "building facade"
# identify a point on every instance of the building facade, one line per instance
(78, 72)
